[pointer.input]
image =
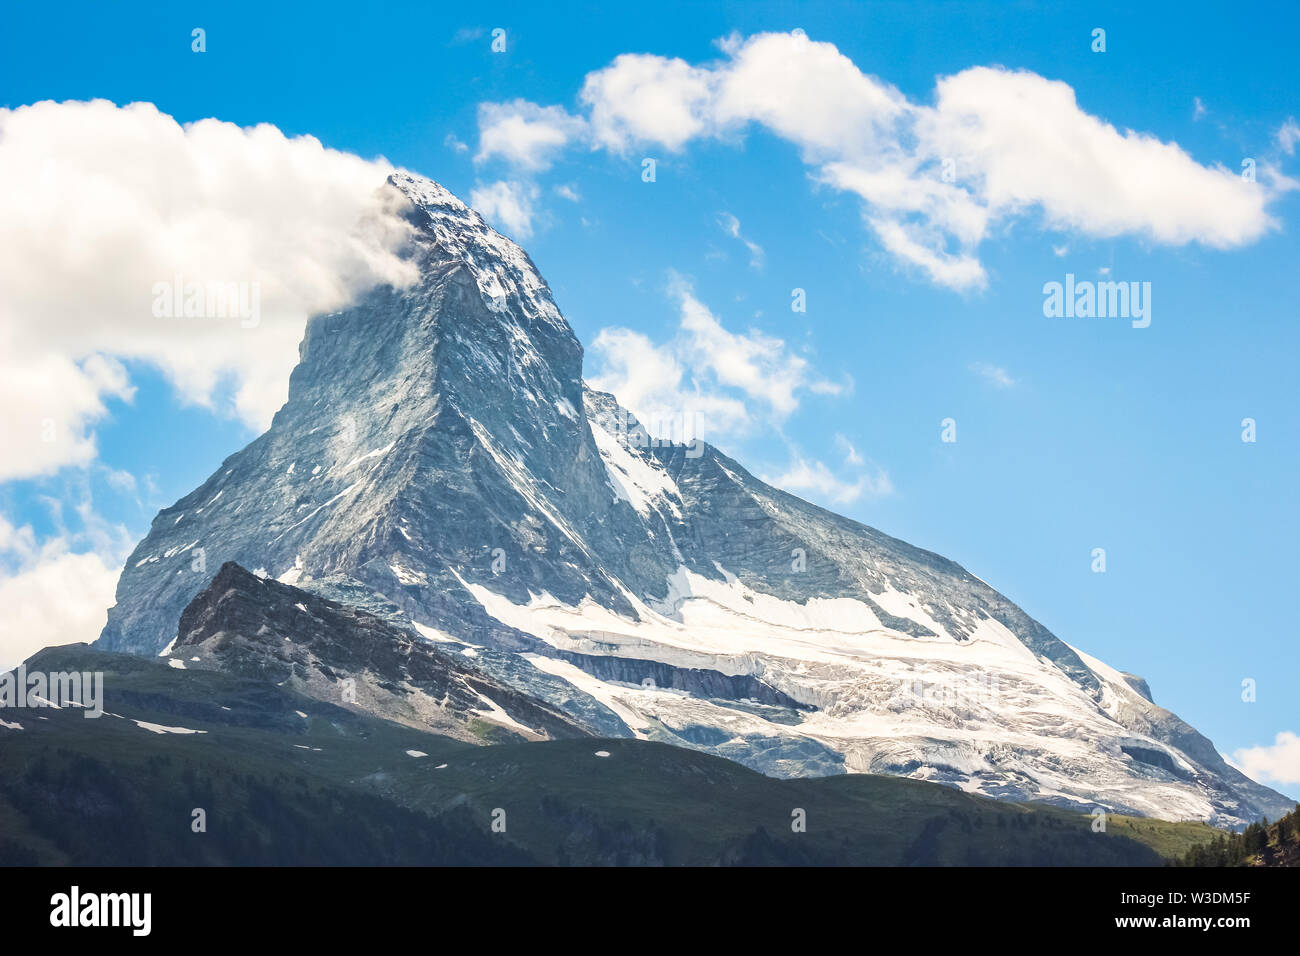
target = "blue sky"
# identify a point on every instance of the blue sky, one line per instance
(1072, 434)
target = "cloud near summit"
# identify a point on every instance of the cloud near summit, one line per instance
(117, 199)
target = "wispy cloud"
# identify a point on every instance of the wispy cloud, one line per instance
(993, 374)
(851, 455)
(738, 380)
(731, 226)
(467, 35)
(729, 386)
(1288, 135)
(815, 478)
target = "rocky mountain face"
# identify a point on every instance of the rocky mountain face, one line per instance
(440, 465)
(337, 653)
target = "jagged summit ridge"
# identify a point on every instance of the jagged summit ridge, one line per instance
(439, 451)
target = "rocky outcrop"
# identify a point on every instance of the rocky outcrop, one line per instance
(259, 628)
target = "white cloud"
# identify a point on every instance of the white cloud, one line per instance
(731, 382)
(726, 386)
(524, 134)
(757, 364)
(641, 98)
(995, 145)
(116, 199)
(50, 401)
(806, 92)
(61, 600)
(507, 204)
(851, 455)
(909, 242)
(1027, 144)
(825, 387)
(815, 478)
(1277, 763)
(654, 383)
(731, 226)
(993, 374)
(1288, 135)
(52, 593)
(119, 480)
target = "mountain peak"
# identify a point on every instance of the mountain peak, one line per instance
(438, 455)
(425, 192)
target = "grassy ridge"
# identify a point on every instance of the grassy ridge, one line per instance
(334, 787)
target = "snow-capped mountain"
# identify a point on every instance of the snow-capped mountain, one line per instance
(439, 462)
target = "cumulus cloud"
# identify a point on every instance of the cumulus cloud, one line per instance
(108, 202)
(808, 93)
(524, 134)
(62, 599)
(57, 591)
(507, 204)
(50, 402)
(935, 178)
(526, 138)
(1277, 763)
(641, 98)
(1028, 144)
